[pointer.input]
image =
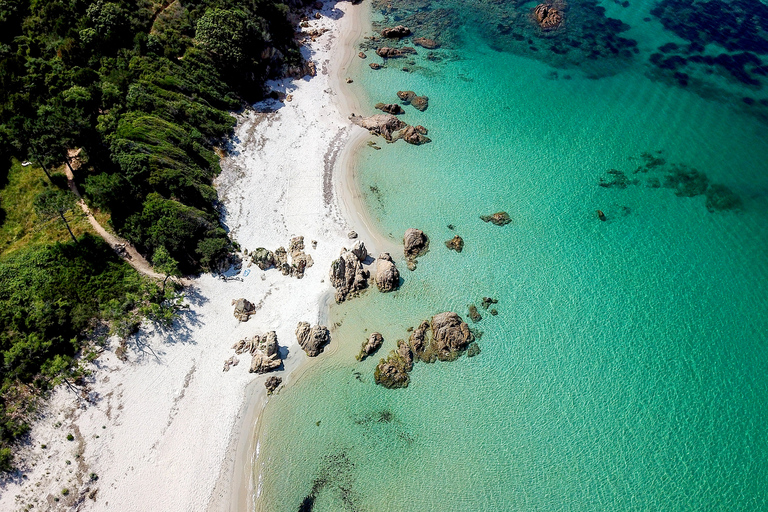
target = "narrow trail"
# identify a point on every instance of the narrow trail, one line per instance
(122, 247)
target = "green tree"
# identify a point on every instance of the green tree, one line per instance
(55, 202)
(230, 34)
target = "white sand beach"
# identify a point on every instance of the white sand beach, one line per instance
(168, 429)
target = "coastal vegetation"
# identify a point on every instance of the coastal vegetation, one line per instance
(141, 91)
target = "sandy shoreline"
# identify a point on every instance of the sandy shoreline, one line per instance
(168, 430)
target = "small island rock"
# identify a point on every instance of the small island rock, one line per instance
(498, 218)
(370, 345)
(387, 275)
(455, 244)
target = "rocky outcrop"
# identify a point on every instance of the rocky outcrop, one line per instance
(390, 108)
(362, 55)
(549, 16)
(370, 345)
(387, 275)
(415, 244)
(300, 261)
(264, 352)
(243, 309)
(347, 275)
(429, 44)
(397, 32)
(487, 301)
(375, 65)
(443, 338)
(385, 52)
(272, 384)
(312, 340)
(455, 244)
(498, 218)
(359, 251)
(381, 124)
(411, 98)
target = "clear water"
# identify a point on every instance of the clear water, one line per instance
(627, 367)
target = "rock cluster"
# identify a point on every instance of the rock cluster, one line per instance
(397, 32)
(312, 340)
(445, 337)
(411, 98)
(370, 345)
(391, 128)
(300, 261)
(548, 16)
(415, 244)
(243, 309)
(347, 273)
(498, 218)
(455, 244)
(387, 275)
(264, 352)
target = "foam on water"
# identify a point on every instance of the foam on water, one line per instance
(626, 368)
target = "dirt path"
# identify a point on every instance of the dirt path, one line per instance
(122, 247)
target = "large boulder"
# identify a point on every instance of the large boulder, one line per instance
(411, 98)
(387, 275)
(243, 309)
(264, 352)
(370, 345)
(380, 124)
(359, 250)
(415, 242)
(347, 275)
(263, 258)
(272, 384)
(386, 52)
(455, 244)
(414, 135)
(392, 372)
(312, 340)
(397, 32)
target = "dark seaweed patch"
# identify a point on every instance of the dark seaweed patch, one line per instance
(335, 474)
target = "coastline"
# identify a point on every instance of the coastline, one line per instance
(167, 429)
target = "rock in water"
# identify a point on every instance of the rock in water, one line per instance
(487, 301)
(313, 340)
(416, 244)
(450, 334)
(397, 32)
(413, 135)
(474, 314)
(392, 372)
(549, 16)
(429, 44)
(411, 98)
(387, 275)
(380, 124)
(473, 349)
(455, 244)
(347, 275)
(370, 345)
(498, 218)
(386, 52)
(243, 309)
(390, 108)
(272, 383)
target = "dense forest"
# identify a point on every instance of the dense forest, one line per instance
(143, 89)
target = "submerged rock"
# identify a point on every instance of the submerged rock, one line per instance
(243, 309)
(385, 52)
(455, 244)
(429, 44)
(370, 345)
(549, 16)
(473, 349)
(414, 135)
(498, 218)
(721, 198)
(397, 32)
(487, 301)
(312, 340)
(601, 215)
(347, 274)
(387, 275)
(474, 314)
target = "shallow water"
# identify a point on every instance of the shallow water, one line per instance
(626, 368)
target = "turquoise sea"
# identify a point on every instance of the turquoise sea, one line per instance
(627, 368)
